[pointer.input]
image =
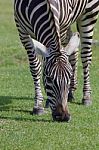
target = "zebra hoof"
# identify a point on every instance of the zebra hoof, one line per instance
(70, 97)
(86, 102)
(47, 104)
(38, 111)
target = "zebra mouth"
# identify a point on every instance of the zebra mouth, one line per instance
(61, 117)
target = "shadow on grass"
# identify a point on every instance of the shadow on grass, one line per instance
(5, 106)
(26, 119)
(5, 101)
(76, 103)
(8, 99)
(30, 117)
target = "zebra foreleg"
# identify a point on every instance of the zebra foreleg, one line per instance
(73, 84)
(35, 69)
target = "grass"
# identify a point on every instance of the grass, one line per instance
(21, 131)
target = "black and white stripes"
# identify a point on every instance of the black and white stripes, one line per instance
(49, 21)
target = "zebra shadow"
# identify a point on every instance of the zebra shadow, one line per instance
(5, 101)
(27, 119)
(76, 103)
(23, 114)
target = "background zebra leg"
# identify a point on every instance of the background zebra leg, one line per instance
(86, 61)
(35, 69)
(73, 59)
(73, 84)
(86, 33)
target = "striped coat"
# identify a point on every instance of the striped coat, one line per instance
(49, 22)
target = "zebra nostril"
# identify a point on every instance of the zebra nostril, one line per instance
(56, 117)
(67, 118)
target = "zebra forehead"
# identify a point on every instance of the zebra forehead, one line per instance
(59, 67)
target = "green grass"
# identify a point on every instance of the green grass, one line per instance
(21, 131)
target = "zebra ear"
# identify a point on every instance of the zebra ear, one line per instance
(40, 48)
(73, 44)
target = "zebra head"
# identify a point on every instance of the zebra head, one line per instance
(57, 74)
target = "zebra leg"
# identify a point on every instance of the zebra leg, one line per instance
(73, 59)
(85, 26)
(35, 69)
(73, 84)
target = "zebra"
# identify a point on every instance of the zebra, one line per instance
(49, 22)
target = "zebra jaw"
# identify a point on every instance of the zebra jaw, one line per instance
(69, 49)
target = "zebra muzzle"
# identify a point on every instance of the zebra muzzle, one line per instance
(61, 117)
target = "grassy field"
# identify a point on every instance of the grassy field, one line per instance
(21, 131)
